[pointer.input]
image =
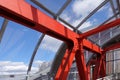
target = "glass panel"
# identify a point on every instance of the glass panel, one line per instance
(1, 21)
(117, 54)
(116, 30)
(53, 5)
(44, 57)
(95, 38)
(105, 36)
(109, 68)
(109, 56)
(78, 10)
(88, 55)
(115, 4)
(73, 73)
(16, 48)
(117, 61)
(97, 19)
(117, 66)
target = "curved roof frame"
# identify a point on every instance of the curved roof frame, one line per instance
(56, 16)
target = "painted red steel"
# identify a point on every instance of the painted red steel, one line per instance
(100, 68)
(101, 28)
(80, 61)
(23, 13)
(112, 47)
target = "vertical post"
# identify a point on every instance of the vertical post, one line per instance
(103, 69)
(103, 66)
(65, 65)
(81, 65)
(100, 67)
(88, 70)
(96, 72)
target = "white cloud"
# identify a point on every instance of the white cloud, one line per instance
(110, 12)
(50, 43)
(66, 17)
(83, 7)
(85, 25)
(38, 63)
(76, 22)
(9, 67)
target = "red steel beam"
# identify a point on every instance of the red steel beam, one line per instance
(90, 46)
(97, 68)
(101, 28)
(65, 65)
(100, 67)
(112, 47)
(23, 13)
(81, 65)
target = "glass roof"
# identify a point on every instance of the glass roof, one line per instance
(53, 5)
(1, 21)
(19, 43)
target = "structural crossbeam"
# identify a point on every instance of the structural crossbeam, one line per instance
(23, 13)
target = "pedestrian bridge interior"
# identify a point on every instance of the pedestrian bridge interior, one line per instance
(59, 39)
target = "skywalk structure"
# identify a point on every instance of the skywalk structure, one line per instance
(76, 44)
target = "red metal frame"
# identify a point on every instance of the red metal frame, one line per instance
(23, 13)
(101, 28)
(100, 69)
(112, 47)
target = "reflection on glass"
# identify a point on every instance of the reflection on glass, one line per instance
(52, 4)
(97, 19)
(73, 73)
(78, 10)
(16, 48)
(44, 57)
(109, 68)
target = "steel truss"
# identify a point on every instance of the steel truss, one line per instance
(25, 14)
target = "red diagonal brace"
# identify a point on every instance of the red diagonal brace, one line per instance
(101, 28)
(23, 13)
(100, 68)
(80, 61)
(65, 65)
(112, 47)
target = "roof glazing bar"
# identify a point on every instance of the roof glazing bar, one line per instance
(62, 20)
(51, 13)
(43, 7)
(104, 23)
(43, 35)
(63, 7)
(118, 5)
(4, 25)
(93, 12)
(34, 53)
(113, 8)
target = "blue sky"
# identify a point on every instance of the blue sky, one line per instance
(18, 42)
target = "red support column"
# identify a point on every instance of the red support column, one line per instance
(81, 65)
(88, 70)
(100, 68)
(96, 71)
(65, 65)
(103, 66)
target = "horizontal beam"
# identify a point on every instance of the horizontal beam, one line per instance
(23, 13)
(100, 28)
(112, 47)
(90, 46)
